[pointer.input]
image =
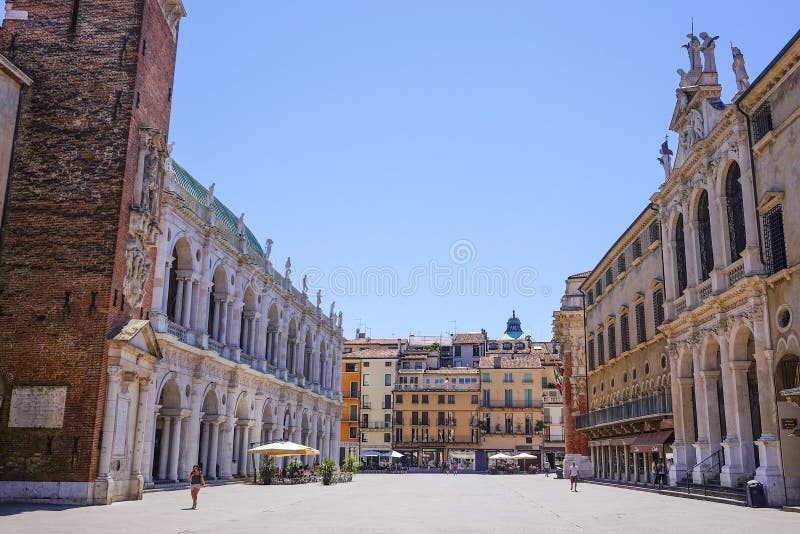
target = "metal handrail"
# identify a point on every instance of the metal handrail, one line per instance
(717, 455)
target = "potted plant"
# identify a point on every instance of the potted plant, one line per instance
(327, 469)
(267, 470)
(538, 427)
(350, 465)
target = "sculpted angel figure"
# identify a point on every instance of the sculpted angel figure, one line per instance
(693, 48)
(305, 284)
(319, 297)
(268, 249)
(708, 52)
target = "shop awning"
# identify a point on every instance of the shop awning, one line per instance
(650, 442)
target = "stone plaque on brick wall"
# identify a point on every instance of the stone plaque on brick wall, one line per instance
(37, 406)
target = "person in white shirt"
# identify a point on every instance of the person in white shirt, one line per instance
(573, 477)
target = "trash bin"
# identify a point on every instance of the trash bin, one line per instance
(755, 494)
(559, 472)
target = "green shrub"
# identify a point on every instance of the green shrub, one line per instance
(267, 470)
(327, 469)
(350, 464)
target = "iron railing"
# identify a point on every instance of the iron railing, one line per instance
(653, 406)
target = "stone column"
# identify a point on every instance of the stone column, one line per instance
(179, 301)
(109, 421)
(163, 456)
(739, 457)
(206, 427)
(245, 341)
(186, 317)
(626, 463)
(717, 211)
(683, 410)
(142, 411)
(196, 315)
(212, 452)
(165, 287)
(215, 324)
(237, 436)
(244, 444)
(751, 255)
(174, 449)
(692, 251)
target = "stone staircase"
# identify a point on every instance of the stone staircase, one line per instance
(171, 486)
(711, 492)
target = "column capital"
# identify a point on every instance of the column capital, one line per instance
(115, 373)
(145, 382)
(739, 365)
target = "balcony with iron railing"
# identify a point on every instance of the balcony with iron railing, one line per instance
(375, 425)
(366, 405)
(515, 403)
(653, 407)
(438, 387)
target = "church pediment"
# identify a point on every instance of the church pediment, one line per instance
(139, 334)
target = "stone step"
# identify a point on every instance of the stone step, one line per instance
(733, 496)
(170, 486)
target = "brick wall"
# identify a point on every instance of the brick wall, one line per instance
(66, 219)
(575, 442)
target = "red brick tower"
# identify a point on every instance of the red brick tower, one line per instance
(78, 225)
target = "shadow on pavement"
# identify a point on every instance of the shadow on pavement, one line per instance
(15, 509)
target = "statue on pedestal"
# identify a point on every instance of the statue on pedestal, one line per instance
(666, 159)
(742, 79)
(319, 297)
(707, 47)
(210, 195)
(287, 268)
(268, 249)
(693, 48)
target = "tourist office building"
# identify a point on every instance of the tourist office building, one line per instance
(720, 340)
(155, 333)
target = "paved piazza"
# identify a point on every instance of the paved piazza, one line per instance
(404, 503)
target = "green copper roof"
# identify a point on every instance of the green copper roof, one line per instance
(224, 216)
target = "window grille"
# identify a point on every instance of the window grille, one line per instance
(704, 235)
(637, 248)
(655, 231)
(590, 297)
(658, 307)
(735, 208)
(612, 342)
(680, 254)
(762, 121)
(591, 354)
(598, 288)
(621, 267)
(601, 350)
(624, 332)
(609, 276)
(641, 327)
(774, 244)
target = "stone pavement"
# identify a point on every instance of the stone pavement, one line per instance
(404, 503)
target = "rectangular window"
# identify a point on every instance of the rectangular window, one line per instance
(601, 349)
(441, 399)
(387, 379)
(529, 398)
(474, 399)
(508, 377)
(365, 380)
(458, 351)
(353, 412)
(641, 327)
(590, 344)
(612, 341)
(440, 418)
(353, 390)
(351, 368)
(414, 399)
(774, 241)
(655, 231)
(424, 399)
(658, 307)
(762, 121)
(353, 432)
(366, 364)
(625, 332)
(398, 435)
(590, 298)
(609, 277)
(621, 263)
(476, 351)
(451, 399)
(414, 418)
(636, 248)
(509, 398)
(387, 420)
(486, 397)
(363, 437)
(398, 399)
(424, 418)
(598, 288)
(387, 402)
(387, 364)
(527, 378)
(486, 377)
(387, 437)
(398, 418)
(364, 420)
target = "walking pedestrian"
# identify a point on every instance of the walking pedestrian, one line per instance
(573, 477)
(654, 472)
(546, 469)
(196, 480)
(661, 472)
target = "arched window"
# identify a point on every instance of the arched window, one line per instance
(704, 235)
(172, 288)
(733, 192)
(680, 255)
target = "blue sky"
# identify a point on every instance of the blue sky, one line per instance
(434, 164)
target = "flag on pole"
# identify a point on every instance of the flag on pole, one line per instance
(558, 373)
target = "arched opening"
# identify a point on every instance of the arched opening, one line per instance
(218, 306)
(305, 429)
(321, 365)
(735, 207)
(182, 261)
(706, 248)
(168, 433)
(750, 420)
(680, 255)
(271, 350)
(242, 437)
(307, 355)
(291, 347)
(247, 332)
(208, 454)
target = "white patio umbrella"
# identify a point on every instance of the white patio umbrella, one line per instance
(396, 454)
(284, 448)
(524, 456)
(500, 456)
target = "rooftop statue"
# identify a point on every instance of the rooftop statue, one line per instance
(210, 195)
(666, 159)
(693, 48)
(268, 249)
(742, 79)
(707, 47)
